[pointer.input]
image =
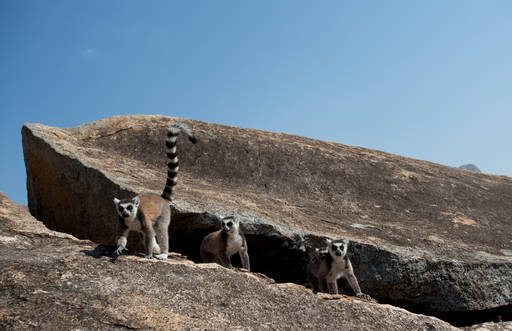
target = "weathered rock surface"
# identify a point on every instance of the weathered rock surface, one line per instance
(53, 281)
(491, 326)
(431, 238)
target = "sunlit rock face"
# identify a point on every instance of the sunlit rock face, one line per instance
(54, 281)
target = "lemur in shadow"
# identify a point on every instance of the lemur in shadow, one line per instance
(328, 265)
(220, 245)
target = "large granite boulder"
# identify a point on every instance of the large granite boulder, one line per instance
(53, 281)
(427, 237)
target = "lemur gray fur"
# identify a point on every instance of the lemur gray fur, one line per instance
(148, 213)
(220, 245)
(328, 265)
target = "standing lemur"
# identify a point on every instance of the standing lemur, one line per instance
(328, 265)
(148, 213)
(220, 245)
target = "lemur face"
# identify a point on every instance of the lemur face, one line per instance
(322, 252)
(337, 248)
(229, 224)
(127, 208)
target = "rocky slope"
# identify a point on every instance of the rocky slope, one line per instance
(53, 281)
(427, 237)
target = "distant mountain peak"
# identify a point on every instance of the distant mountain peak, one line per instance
(470, 167)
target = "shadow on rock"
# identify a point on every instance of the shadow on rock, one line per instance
(102, 250)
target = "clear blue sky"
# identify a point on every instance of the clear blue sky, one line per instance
(424, 79)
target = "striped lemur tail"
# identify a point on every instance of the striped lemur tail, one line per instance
(170, 144)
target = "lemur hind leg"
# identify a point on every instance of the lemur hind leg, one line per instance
(244, 258)
(162, 235)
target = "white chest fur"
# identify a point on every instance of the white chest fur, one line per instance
(337, 270)
(234, 242)
(133, 224)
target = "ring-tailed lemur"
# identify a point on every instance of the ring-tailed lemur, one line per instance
(148, 213)
(220, 245)
(328, 265)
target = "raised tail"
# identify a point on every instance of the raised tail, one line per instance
(173, 165)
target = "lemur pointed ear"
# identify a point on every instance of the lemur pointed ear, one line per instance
(236, 218)
(136, 201)
(116, 201)
(328, 241)
(346, 241)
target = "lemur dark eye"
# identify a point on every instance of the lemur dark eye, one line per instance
(120, 208)
(334, 247)
(230, 224)
(129, 207)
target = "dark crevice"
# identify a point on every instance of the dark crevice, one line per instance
(457, 318)
(283, 260)
(272, 256)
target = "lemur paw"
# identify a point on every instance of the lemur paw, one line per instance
(363, 296)
(149, 256)
(161, 256)
(120, 250)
